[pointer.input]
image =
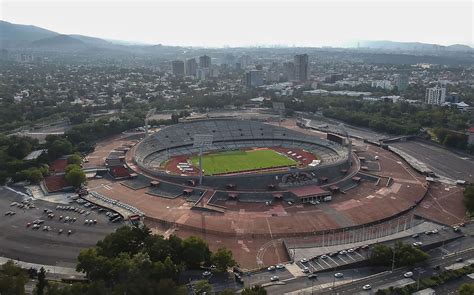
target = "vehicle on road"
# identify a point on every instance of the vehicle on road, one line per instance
(206, 273)
(274, 278)
(280, 266)
(339, 275)
(312, 276)
(459, 259)
(367, 287)
(408, 274)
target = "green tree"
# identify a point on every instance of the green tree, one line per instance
(76, 177)
(12, 279)
(381, 255)
(195, 251)
(222, 259)
(466, 289)
(74, 159)
(469, 198)
(202, 287)
(41, 281)
(59, 147)
(255, 290)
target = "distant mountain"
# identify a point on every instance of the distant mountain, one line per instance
(36, 38)
(412, 46)
(14, 35)
(59, 43)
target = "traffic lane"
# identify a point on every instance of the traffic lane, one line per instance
(46, 247)
(324, 278)
(263, 277)
(398, 274)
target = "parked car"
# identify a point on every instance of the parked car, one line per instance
(408, 274)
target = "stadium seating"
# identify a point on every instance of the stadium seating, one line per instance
(231, 134)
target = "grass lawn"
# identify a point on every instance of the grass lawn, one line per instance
(235, 161)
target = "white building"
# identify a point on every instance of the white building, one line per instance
(384, 84)
(435, 95)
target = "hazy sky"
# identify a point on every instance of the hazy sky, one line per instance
(260, 22)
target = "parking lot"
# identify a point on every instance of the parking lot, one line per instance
(59, 235)
(334, 260)
(340, 258)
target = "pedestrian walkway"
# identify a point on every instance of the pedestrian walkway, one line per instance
(50, 269)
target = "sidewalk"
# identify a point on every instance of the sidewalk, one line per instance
(50, 269)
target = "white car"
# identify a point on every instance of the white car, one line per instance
(324, 256)
(305, 269)
(343, 252)
(280, 266)
(367, 287)
(408, 274)
(206, 273)
(338, 275)
(274, 278)
(270, 268)
(304, 260)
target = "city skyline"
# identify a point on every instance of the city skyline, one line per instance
(245, 23)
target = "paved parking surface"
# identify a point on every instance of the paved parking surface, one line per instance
(24, 243)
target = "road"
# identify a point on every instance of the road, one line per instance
(441, 161)
(397, 275)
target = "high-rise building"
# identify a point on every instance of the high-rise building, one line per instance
(254, 78)
(178, 67)
(289, 71)
(435, 95)
(245, 61)
(203, 73)
(191, 67)
(402, 82)
(204, 62)
(301, 67)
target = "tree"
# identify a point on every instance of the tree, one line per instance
(466, 289)
(381, 255)
(202, 287)
(469, 198)
(12, 279)
(74, 159)
(255, 290)
(41, 281)
(59, 147)
(75, 177)
(195, 251)
(222, 259)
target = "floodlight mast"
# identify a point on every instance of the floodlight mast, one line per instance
(150, 113)
(349, 142)
(280, 107)
(202, 141)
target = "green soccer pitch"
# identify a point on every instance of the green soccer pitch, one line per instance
(236, 161)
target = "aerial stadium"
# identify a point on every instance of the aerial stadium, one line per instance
(259, 188)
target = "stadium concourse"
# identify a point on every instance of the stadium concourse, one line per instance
(251, 214)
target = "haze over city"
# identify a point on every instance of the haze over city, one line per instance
(236, 147)
(251, 23)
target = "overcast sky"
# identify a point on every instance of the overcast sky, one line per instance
(259, 22)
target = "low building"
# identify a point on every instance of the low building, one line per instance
(310, 193)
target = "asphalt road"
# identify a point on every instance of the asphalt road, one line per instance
(17, 241)
(397, 275)
(441, 161)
